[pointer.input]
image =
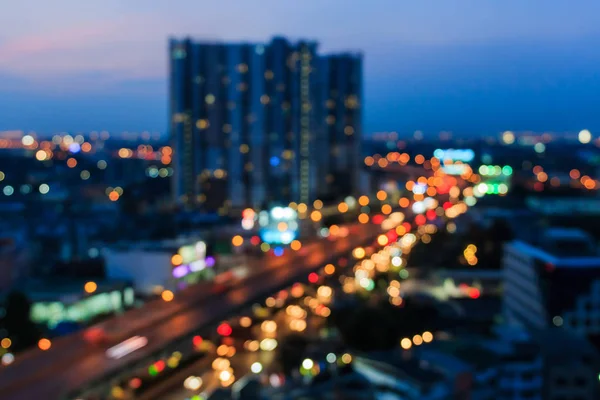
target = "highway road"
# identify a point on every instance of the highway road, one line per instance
(72, 363)
(241, 362)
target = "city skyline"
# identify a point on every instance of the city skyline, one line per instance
(528, 67)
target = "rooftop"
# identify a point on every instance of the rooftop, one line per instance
(564, 205)
(169, 245)
(569, 258)
(411, 368)
(557, 245)
(566, 233)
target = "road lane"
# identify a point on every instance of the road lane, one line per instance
(82, 363)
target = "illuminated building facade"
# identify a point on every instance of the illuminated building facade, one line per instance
(247, 122)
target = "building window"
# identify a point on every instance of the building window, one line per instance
(351, 102)
(587, 360)
(528, 376)
(561, 381)
(292, 59)
(580, 381)
(529, 394)
(178, 117)
(179, 53)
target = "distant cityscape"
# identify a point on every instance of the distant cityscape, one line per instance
(269, 248)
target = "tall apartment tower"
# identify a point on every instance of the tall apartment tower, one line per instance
(339, 115)
(247, 121)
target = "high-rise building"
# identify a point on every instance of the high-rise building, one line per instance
(339, 115)
(249, 122)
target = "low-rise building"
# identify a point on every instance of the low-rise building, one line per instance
(156, 266)
(571, 366)
(78, 302)
(506, 365)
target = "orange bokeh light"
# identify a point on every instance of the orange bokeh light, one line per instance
(44, 344)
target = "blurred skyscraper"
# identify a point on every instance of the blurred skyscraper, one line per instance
(339, 124)
(254, 124)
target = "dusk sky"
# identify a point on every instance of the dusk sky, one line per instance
(467, 66)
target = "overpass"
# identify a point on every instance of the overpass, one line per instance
(74, 366)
